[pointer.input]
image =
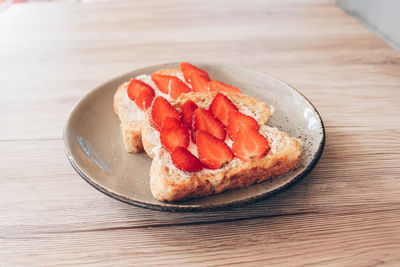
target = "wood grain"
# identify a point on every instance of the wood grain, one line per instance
(345, 213)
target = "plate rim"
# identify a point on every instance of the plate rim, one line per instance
(177, 207)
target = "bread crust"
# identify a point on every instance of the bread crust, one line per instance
(170, 184)
(131, 130)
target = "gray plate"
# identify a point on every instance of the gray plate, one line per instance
(94, 145)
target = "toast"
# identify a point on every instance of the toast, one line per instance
(171, 184)
(168, 183)
(204, 136)
(131, 116)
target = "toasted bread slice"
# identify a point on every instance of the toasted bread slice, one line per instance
(171, 184)
(131, 116)
(168, 183)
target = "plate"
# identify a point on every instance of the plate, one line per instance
(94, 146)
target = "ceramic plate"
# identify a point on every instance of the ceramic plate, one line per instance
(95, 149)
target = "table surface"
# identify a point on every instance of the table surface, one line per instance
(345, 212)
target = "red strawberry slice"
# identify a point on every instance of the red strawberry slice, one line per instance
(204, 120)
(171, 123)
(221, 106)
(199, 83)
(162, 82)
(238, 120)
(174, 134)
(135, 87)
(160, 110)
(170, 85)
(188, 69)
(213, 153)
(178, 87)
(249, 144)
(144, 99)
(220, 86)
(185, 161)
(187, 110)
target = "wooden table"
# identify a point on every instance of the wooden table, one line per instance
(346, 212)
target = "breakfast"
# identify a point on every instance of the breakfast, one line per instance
(204, 136)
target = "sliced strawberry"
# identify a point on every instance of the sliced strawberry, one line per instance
(188, 69)
(162, 82)
(171, 123)
(174, 134)
(135, 87)
(213, 153)
(237, 120)
(221, 106)
(220, 86)
(249, 144)
(177, 87)
(187, 110)
(144, 99)
(170, 85)
(160, 110)
(204, 120)
(199, 83)
(185, 161)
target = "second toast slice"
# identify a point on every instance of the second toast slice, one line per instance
(168, 183)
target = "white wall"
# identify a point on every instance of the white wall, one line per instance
(381, 16)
